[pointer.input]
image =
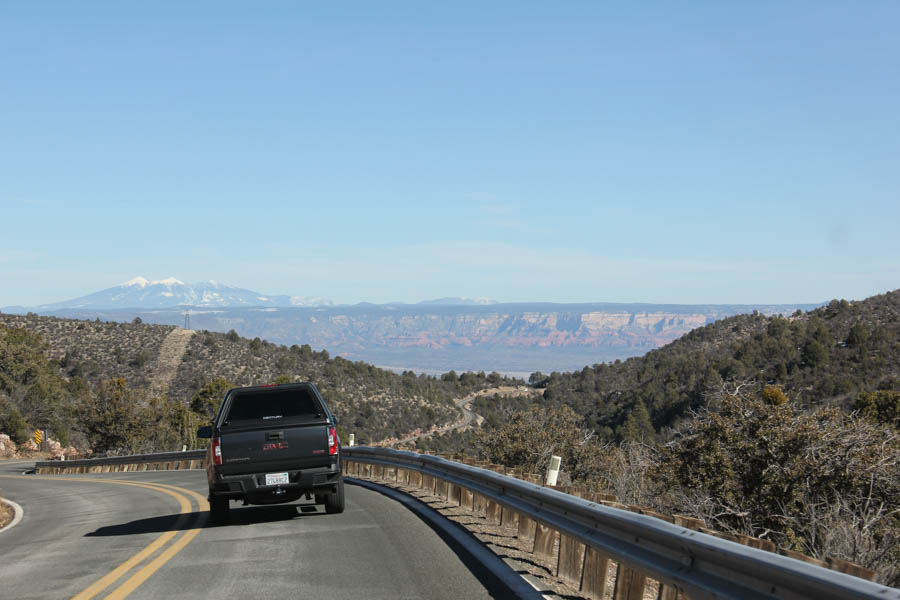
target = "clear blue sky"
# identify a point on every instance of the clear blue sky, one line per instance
(377, 151)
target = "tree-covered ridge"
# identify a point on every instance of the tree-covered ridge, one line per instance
(79, 378)
(829, 355)
(375, 404)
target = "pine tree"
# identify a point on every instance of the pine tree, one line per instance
(638, 427)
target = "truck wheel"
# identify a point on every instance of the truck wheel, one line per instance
(334, 502)
(219, 508)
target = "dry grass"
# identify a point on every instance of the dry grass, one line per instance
(6, 514)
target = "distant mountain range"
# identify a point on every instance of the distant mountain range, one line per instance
(431, 336)
(167, 293)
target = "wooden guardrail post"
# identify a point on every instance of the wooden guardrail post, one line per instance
(454, 496)
(508, 518)
(570, 559)
(415, 478)
(849, 568)
(467, 499)
(667, 592)
(630, 584)
(544, 541)
(479, 503)
(593, 574)
(441, 488)
(525, 528)
(493, 512)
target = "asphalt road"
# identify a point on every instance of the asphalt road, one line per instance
(78, 530)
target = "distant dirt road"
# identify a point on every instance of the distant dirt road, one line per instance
(170, 356)
(465, 404)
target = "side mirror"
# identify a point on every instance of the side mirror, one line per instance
(334, 420)
(204, 432)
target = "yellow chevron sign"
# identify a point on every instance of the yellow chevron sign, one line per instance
(37, 437)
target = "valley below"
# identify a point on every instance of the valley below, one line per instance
(518, 338)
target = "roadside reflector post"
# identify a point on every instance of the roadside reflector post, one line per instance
(352, 439)
(553, 473)
(183, 447)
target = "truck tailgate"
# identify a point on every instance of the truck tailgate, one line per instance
(275, 449)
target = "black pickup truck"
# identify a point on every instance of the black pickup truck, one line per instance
(273, 444)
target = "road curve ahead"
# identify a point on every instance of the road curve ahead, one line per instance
(147, 535)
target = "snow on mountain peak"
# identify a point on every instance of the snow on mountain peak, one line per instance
(143, 293)
(139, 281)
(144, 282)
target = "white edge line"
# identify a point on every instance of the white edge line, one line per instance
(19, 513)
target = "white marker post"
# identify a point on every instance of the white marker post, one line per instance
(352, 439)
(553, 473)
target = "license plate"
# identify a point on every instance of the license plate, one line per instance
(276, 478)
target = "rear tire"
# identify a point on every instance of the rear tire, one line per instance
(334, 502)
(219, 509)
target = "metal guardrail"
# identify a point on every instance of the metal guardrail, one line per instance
(685, 562)
(134, 459)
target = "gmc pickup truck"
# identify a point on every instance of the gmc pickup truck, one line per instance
(273, 444)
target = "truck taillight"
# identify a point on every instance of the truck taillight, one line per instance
(332, 441)
(216, 451)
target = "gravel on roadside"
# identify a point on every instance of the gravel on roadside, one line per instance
(503, 542)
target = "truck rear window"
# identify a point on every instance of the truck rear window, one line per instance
(273, 406)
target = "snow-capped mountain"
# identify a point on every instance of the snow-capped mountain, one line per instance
(165, 293)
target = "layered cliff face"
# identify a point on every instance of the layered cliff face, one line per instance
(512, 338)
(503, 328)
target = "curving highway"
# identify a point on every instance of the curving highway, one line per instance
(147, 535)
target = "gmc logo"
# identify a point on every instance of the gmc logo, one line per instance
(275, 446)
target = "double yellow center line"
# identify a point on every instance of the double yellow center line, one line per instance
(153, 549)
(139, 567)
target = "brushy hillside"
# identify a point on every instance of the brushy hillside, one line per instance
(782, 428)
(826, 356)
(95, 350)
(77, 377)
